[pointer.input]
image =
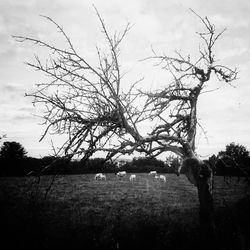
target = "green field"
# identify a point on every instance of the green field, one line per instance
(81, 213)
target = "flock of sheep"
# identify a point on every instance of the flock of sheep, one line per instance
(132, 177)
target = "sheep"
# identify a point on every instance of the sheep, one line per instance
(121, 174)
(100, 176)
(103, 177)
(97, 176)
(132, 177)
(157, 176)
(152, 173)
(162, 178)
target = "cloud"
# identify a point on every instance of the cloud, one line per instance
(12, 94)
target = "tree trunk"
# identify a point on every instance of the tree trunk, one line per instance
(206, 212)
(199, 174)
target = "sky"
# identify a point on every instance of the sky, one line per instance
(164, 25)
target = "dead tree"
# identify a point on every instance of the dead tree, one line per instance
(89, 104)
(176, 109)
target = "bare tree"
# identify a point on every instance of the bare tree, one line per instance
(176, 108)
(3, 136)
(89, 104)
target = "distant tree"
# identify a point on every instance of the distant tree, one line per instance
(46, 160)
(238, 152)
(147, 163)
(54, 165)
(95, 164)
(12, 156)
(233, 161)
(12, 150)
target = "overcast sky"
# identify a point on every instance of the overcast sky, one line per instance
(166, 25)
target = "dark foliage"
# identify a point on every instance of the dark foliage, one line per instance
(12, 158)
(238, 152)
(12, 150)
(146, 164)
(33, 166)
(234, 161)
(14, 162)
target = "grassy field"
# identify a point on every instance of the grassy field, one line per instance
(81, 213)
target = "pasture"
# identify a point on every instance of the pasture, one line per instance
(82, 213)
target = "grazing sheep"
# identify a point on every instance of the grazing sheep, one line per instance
(163, 178)
(157, 177)
(152, 173)
(121, 174)
(132, 177)
(100, 176)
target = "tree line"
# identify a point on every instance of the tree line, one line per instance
(15, 162)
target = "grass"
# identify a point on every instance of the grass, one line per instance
(80, 213)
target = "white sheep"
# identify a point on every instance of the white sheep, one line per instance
(132, 177)
(152, 173)
(163, 178)
(121, 174)
(100, 176)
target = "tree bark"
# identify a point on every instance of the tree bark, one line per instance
(206, 212)
(200, 174)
